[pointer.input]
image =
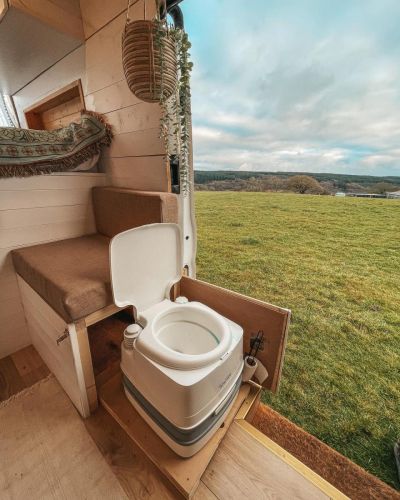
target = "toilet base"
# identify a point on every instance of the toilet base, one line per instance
(184, 442)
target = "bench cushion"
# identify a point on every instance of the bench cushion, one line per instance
(119, 209)
(72, 275)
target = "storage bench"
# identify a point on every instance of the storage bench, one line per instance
(65, 285)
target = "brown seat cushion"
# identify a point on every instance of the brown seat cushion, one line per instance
(72, 275)
(119, 209)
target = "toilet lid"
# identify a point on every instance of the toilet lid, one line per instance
(145, 262)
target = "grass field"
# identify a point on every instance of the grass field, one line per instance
(335, 262)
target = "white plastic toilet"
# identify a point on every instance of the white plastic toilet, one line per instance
(183, 369)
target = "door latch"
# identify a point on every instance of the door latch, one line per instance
(64, 336)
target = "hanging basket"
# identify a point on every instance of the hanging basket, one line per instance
(149, 60)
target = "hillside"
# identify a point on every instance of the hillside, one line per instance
(340, 180)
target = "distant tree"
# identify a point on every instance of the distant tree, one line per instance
(328, 187)
(354, 187)
(382, 187)
(273, 183)
(304, 184)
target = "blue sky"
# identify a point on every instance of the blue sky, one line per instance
(296, 85)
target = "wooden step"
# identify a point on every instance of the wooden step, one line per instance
(184, 473)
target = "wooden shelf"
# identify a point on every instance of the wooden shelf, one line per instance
(58, 109)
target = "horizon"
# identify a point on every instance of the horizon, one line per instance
(296, 86)
(296, 172)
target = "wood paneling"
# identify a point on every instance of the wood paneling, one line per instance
(70, 68)
(63, 15)
(97, 13)
(130, 160)
(57, 109)
(132, 144)
(252, 315)
(245, 468)
(47, 452)
(111, 98)
(36, 210)
(45, 327)
(147, 173)
(19, 371)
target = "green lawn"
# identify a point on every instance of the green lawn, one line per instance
(335, 262)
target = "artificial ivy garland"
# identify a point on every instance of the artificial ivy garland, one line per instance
(175, 122)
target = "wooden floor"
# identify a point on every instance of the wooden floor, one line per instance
(19, 371)
(241, 468)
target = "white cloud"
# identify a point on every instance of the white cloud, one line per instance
(297, 86)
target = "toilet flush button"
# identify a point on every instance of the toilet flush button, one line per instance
(181, 300)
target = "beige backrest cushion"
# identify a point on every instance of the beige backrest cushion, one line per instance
(118, 209)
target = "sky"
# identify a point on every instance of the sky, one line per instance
(296, 85)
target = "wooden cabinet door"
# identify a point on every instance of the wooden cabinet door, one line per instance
(252, 315)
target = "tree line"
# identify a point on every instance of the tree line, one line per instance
(298, 183)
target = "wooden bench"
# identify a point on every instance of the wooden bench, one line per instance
(65, 286)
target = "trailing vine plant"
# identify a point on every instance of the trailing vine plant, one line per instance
(175, 122)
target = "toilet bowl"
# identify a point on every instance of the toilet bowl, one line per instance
(183, 370)
(184, 336)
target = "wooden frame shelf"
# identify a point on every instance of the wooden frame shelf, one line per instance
(57, 109)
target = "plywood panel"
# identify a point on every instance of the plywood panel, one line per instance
(27, 217)
(111, 98)
(97, 13)
(141, 116)
(64, 180)
(144, 174)
(135, 124)
(252, 315)
(140, 143)
(63, 15)
(36, 210)
(15, 340)
(70, 68)
(11, 307)
(43, 198)
(244, 468)
(45, 328)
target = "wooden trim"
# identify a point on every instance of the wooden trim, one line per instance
(251, 403)
(252, 315)
(85, 360)
(74, 334)
(298, 466)
(34, 113)
(101, 314)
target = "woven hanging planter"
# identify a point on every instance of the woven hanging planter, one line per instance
(149, 60)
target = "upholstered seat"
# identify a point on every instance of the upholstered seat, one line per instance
(73, 275)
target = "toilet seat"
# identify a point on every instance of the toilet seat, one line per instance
(184, 336)
(145, 263)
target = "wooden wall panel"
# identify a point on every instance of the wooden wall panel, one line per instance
(70, 68)
(129, 161)
(150, 170)
(62, 15)
(35, 210)
(46, 208)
